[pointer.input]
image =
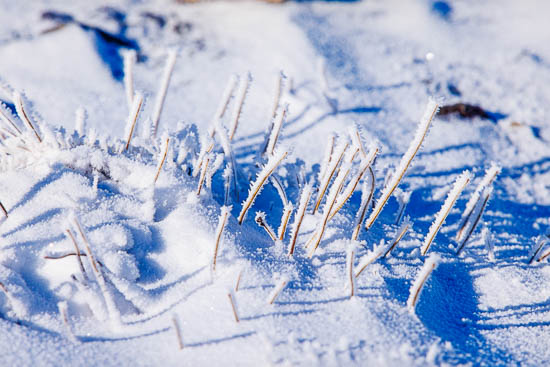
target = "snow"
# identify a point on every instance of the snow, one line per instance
(357, 74)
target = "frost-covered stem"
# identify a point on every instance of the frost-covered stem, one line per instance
(4, 211)
(132, 118)
(279, 187)
(487, 180)
(277, 290)
(429, 265)
(222, 221)
(263, 175)
(276, 130)
(403, 200)
(163, 88)
(543, 256)
(326, 158)
(538, 248)
(109, 301)
(177, 329)
(331, 199)
(371, 257)
(351, 277)
(365, 164)
(216, 164)
(237, 109)
(224, 101)
(206, 147)
(331, 168)
(161, 162)
(78, 254)
(62, 307)
(489, 245)
(278, 91)
(18, 101)
(233, 306)
(304, 200)
(287, 211)
(80, 120)
(476, 215)
(400, 233)
(365, 200)
(5, 116)
(261, 221)
(356, 140)
(228, 151)
(421, 132)
(129, 59)
(238, 282)
(453, 195)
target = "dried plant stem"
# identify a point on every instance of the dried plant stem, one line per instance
(540, 245)
(453, 195)
(371, 257)
(129, 59)
(333, 164)
(421, 133)
(204, 168)
(161, 96)
(241, 95)
(18, 101)
(161, 163)
(233, 307)
(109, 301)
(366, 199)
(177, 328)
(225, 210)
(287, 211)
(299, 217)
(263, 175)
(398, 238)
(277, 290)
(59, 257)
(365, 164)
(260, 220)
(238, 282)
(4, 211)
(543, 256)
(477, 216)
(77, 252)
(276, 130)
(429, 265)
(62, 307)
(132, 118)
(351, 277)
(5, 116)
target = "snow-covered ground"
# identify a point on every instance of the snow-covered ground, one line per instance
(146, 291)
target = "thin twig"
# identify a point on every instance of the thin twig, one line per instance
(233, 307)
(177, 328)
(159, 168)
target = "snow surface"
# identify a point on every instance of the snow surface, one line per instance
(372, 64)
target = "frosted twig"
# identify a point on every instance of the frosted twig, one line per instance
(287, 211)
(228, 151)
(423, 126)
(276, 130)
(539, 245)
(233, 306)
(237, 109)
(429, 265)
(365, 164)
(129, 59)
(62, 307)
(399, 235)
(487, 237)
(261, 221)
(366, 198)
(163, 88)
(224, 101)
(277, 290)
(304, 199)
(369, 258)
(207, 144)
(213, 168)
(222, 221)
(176, 323)
(403, 198)
(3, 209)
(109, 301)
(163, 158)
(204, 168)
(356, 140)
(6, 117)
(351, 276)
(279, 187)
(453, 195)
(331, 168)
(238, 282)
(262, 176)
(476, 216)
(331, 199)
(132, 118)
(77, 252)
(272, 113)
(19, 107)
(487, 180)
(326, 158)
